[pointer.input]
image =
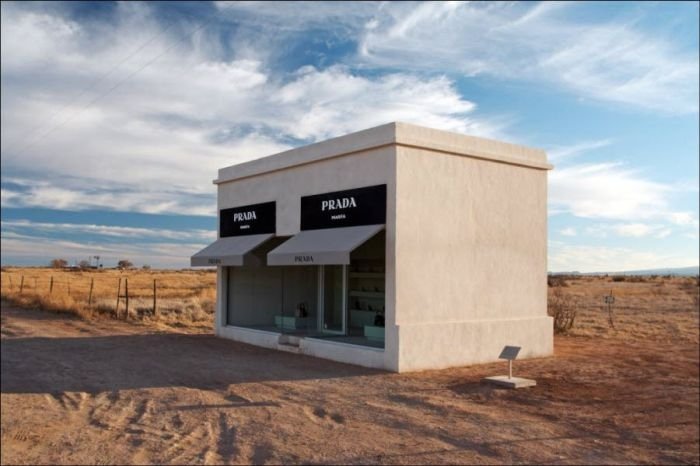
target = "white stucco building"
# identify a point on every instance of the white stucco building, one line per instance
(397, 247)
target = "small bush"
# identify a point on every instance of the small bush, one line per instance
(619, 278)
(58, 263)
(562, 307)
(125, 264)
(556, 280)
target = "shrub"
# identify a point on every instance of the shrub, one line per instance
(562, 307)
(556, 280)
(125, 264)
(58, 263)
(618, 278)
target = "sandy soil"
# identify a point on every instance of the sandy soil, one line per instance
(104, 392)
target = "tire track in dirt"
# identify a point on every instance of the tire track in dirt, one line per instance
(121, 418)
(319, 414)
(226, 442)
(67, 401)
(136, 421)
(187, 447)
(105, 411)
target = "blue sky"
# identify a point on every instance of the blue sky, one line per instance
(116, 116)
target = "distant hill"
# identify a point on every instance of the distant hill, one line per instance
(682, 271)
(679, 271)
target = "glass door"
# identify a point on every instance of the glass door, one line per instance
(332, 297)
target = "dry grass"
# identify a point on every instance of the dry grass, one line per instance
(184, 298)
(658, 307)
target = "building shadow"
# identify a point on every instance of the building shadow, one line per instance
(121, 362)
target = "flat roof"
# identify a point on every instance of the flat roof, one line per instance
(396, 133)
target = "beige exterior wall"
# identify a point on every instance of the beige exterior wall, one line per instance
(471, 252)
(466, 240)
(286, 186)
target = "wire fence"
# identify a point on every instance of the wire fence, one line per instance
(188, 294)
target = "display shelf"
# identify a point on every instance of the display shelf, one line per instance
(368, 275)
(374, 333)
(361, 317)
(290, 322)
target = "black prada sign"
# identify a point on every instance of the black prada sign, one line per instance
(361, 206)
(247, 220)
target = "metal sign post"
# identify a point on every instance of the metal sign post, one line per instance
(510, 353)
(610, 300)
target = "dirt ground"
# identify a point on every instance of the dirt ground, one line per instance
(104, 392)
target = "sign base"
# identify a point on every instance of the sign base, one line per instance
(513, 382)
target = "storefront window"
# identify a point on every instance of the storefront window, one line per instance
(333, 298)
(343, 303)
(364, 287)
(366, 292)
(280, 299)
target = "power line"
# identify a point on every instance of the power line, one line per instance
(108, 91)
(94, 83)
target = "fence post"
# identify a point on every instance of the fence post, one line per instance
(34, 284)
(126, 292)
(10, 282)
(21, 285)
(68, 284)
(51, 285)
(155, 299)
(92, 283)
(119, 290)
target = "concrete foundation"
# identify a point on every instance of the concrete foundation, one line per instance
(509, 382)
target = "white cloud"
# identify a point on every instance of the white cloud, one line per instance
(547, 43)
(558, 153)
(84, 193)
(683, 218)
(36, 250)
(633, 229)
(610, 191)
(155, 141)
(568, 231)
(299, 16)
(110, 230)
(629, 230)
(638, 230)
(604, 190)
(565, 257)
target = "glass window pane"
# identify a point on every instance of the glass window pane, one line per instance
(333, 298)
